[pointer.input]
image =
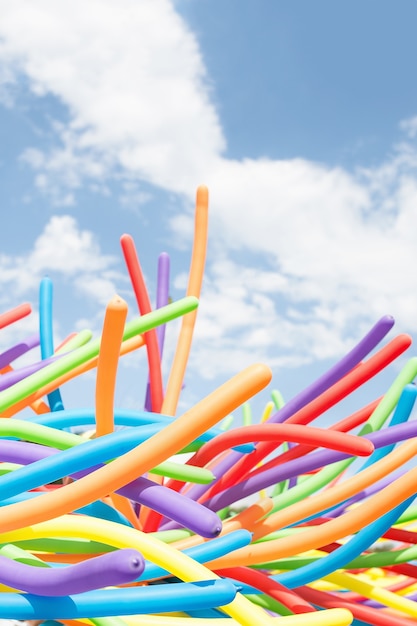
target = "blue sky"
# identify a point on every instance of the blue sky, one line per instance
(300, 117)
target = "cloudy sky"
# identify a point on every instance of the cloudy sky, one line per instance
(300, 117)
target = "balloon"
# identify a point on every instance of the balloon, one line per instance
(12, 316)
(271, 521)
(8, 356)
(195, 280)
(115, 568)
(144, 304)
(46, 335)
(126, 601)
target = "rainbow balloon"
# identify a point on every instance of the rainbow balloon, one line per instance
(104, 528)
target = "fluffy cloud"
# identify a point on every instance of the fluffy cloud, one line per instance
(321, 228)
(134, 82)
(335, 248)
(410, 126)
(62, 249)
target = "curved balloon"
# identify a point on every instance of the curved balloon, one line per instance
(195, 280)
(343, 442)
(144, 304)
(115, 568)
(130, 601)
(15, 314)
(19, 349)
(301, 466)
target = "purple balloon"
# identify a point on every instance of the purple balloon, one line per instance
(11, 378)
(335, 373)
(116, 568)
(10, 355)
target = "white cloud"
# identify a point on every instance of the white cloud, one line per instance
(337, 248)
(337, 252)
(63, 250)
(132, 77)
(100, 288)
(409, 126)
(243, 317)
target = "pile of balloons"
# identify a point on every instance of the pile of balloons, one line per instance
(274, 522)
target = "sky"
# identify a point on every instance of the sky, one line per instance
(300, 117)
